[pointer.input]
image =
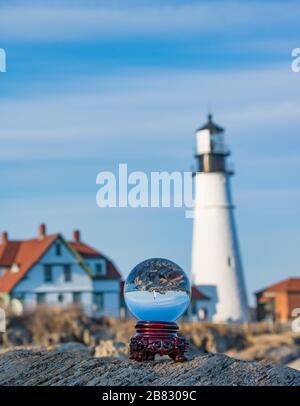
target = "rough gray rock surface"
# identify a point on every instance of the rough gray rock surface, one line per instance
(26, 367)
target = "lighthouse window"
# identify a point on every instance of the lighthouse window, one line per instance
(229, 261)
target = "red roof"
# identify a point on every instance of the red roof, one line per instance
(26, 253)
(85, 250)
(88, 252)
(112, 272)
(23, 253)
(198, 295)
(8, 252)
(287, 285)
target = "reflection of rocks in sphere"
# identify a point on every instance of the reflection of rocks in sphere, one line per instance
(157, 290)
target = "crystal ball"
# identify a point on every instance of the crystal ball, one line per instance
(157, 290)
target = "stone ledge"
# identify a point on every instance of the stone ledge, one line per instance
(69, 368)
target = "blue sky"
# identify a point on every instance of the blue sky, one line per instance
(91, 84)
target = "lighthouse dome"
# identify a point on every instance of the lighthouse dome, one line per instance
(212, 127)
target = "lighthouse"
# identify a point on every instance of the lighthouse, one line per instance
(216, 260)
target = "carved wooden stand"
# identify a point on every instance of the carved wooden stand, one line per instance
(157, 337)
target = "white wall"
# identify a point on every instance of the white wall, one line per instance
(111, 296)
(216, 258)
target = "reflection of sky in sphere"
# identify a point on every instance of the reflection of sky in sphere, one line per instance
(153, 306)
(157, 290)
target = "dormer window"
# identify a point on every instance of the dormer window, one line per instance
(58, 249)
(100, 268)
(15, 268)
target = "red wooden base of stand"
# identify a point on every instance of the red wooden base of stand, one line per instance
(157, 337)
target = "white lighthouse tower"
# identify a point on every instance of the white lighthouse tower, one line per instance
(216, 260)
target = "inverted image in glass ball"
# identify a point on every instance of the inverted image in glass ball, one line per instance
(157, 290)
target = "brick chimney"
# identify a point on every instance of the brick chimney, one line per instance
(76, 235)
(42, 231)
(4, 238)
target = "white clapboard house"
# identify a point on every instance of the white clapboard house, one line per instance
(50, 270)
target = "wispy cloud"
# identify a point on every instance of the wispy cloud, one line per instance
(150, 105)
(65, 21)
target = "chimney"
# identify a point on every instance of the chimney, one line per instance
(4, 238)
(42, 231)
(76, 236)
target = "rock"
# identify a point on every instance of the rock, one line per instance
(110, 348)
(193, 351)
(214, 338)
(68, 368)
(124, 330)
(18, 335)
(72, 347)
(280, 355)
(295, 364)
(32, 348)
(87, 338)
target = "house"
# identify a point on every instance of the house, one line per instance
(277, 302)
(201, 307)
(50, 270)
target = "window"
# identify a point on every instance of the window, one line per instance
(48, 277)
(41, 298)
(76, 297)
(67, 273)
(100, 268)
(58, 249)
(98, 299)
(229, 261)
(60, 298)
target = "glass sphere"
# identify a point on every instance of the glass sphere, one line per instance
(157, 290)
